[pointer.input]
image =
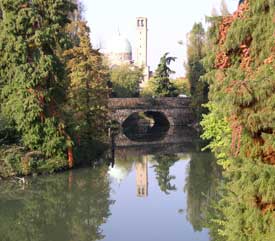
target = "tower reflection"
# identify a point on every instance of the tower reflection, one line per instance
(142, 177)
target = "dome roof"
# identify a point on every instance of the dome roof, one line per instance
(118, 45)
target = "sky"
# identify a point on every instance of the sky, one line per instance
(169, 21)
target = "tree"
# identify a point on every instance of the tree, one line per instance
(182, 85)
(194, 68)
(240, 124)
(161, 80)
(126, 80)
(87, 93)
(33, 75)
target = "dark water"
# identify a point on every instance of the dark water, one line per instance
(157, 190)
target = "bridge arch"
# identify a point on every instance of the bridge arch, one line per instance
(154, 118)
(146, 125)
(178, 111)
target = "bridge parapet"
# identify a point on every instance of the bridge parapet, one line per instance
(148, 103)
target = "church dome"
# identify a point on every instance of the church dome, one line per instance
(119, 45)
(119, 51)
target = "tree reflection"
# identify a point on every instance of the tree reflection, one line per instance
(70, 206)
(162, 170)
(200, 186)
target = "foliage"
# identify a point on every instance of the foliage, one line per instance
(8, 133)
(240, 125)
(32, 73)
(195, 69)
(182, 85)
(53, 85)
(126, 80)
(148, 89)
(217, 129)
(86, 105)
(161, 83)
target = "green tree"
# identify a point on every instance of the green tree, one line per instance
(161, 81)
(148, 89)
(195, 69)
(33, 79)
(182, 85)
(126, 80)
(241, 75)
(87, 93)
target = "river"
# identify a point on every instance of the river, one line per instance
(155, 187)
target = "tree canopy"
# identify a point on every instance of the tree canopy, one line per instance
(126, 81)
(38, 83)
(160, 84)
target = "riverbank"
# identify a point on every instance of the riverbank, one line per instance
(17, 161)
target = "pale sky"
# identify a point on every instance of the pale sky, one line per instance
(168, 22)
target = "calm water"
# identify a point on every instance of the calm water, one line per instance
(157, 190)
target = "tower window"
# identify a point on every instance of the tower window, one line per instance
(142, 23)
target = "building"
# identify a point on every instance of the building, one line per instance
(142, 47)
(119, 49)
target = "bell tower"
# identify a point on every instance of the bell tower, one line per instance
(141, 58)
(141, 48)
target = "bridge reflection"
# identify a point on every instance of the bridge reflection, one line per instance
(155, 137)
(163, 141)
(137, 152)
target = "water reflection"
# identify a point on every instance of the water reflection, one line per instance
(201, 185)
(146, 133)
(162, 170)
(146, 127)
(70, 206)
(144, 190)
(142, 177)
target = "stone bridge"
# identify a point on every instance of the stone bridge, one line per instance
(177, 111)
